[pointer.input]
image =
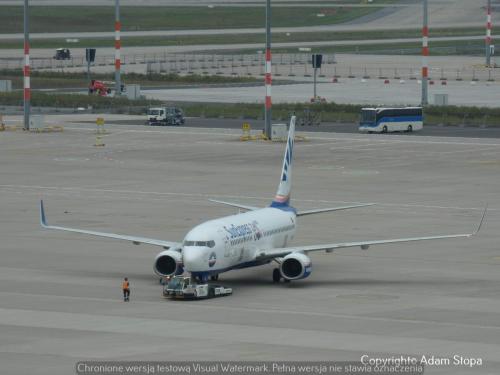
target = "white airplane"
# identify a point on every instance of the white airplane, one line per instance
(248, 239)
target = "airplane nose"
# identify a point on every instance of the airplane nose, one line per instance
(192, 258)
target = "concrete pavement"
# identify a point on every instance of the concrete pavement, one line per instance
(60, 292)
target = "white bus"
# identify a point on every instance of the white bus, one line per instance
(384, 120)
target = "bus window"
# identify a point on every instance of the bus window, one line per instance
(368, 116)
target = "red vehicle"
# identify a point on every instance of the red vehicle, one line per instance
(99, 88)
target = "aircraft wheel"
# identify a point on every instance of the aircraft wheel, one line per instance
(410, 128)
(276, 275)
(384, 129)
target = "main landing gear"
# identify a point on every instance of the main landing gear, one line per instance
(277, 276)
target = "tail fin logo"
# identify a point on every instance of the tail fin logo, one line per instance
(282, 198)
(288, 159)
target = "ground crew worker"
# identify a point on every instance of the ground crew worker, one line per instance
(126, 290)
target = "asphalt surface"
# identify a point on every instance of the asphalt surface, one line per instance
(198, 123)
(370, 92)
(60, 292)
(328, 127)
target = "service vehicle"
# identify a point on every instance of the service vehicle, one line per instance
(385, 120)
(100, 88)
(62, 54)
(184, 287)
(165, 116)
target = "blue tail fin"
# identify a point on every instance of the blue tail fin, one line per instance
(282, 198)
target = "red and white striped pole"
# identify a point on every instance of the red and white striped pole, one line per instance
(118, 46)
(268, 82)
(268, 79)
(425, 55)
(26, 68)
(488, 34)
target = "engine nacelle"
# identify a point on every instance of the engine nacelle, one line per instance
(168, 263)
(296, 266)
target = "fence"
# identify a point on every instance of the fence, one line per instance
(177, 60)
(284, 65)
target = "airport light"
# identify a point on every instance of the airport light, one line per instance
(488, 34)
(26, 69)
(425, 55)
(117, 48)
(268, 79)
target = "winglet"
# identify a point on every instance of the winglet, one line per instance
(481, 222)
(43, 220)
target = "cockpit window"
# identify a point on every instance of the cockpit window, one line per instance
(200, 243)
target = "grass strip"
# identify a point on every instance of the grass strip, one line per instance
(80, 19)
(55, 80)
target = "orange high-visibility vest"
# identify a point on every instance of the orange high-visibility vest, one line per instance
(125, 285)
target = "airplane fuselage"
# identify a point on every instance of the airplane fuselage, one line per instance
(234, 241)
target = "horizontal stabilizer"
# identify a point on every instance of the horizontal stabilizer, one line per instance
(243, 206)
(321, 210)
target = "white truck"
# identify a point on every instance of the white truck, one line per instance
(165, 116)
(183, 287)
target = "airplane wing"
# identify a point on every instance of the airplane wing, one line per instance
(320, 210)
(135, 240)
(245, 207)
(281, 252)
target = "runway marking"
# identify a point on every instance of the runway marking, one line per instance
(361, 138)
(166, 131)
(207, 196)
(325, 167)
(459, 151)
(420, 140)
(233, 333)
(247, 309)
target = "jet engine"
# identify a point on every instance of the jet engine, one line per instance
(295, 266)
(168, 263)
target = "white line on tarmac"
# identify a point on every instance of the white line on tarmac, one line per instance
(217, 131)
(258, 310)
(419, 140)
(171, 329)
(207, 196)
(361, 137)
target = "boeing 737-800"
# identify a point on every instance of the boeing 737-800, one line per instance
(253, 238)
